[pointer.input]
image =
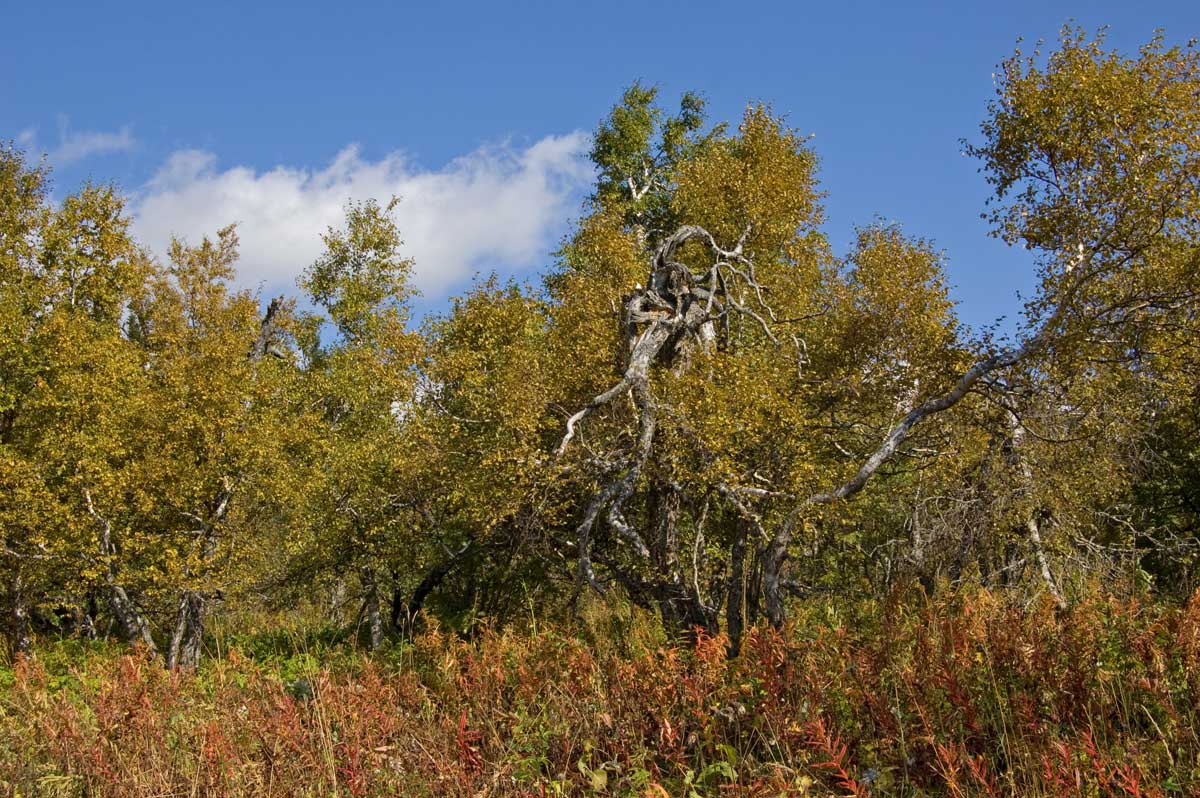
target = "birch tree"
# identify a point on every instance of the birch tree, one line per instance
(1093, 156)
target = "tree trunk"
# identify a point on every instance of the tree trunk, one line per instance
(735, 608)
(22, 641)
(772, 563)
(1033, 524)
(371, 608)
(337, 600)
(87, 617)
(134, 628)
(693, 615)
(187, 642)
(404, 612)
(683, 603)
(662, 507)
(754, 589)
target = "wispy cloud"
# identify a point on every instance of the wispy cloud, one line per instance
(75, 145)
(499, 206)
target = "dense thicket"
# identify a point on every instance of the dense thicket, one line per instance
(702, 408)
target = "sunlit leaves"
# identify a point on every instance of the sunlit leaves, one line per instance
(361, 280)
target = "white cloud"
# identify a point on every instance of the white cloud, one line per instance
(497, 206)
(76, 145)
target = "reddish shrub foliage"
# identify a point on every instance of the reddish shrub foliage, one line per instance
(964, 696)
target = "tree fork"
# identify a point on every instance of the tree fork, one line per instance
(404, 613)
(188, 638)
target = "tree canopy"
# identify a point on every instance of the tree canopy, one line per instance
(701, 407)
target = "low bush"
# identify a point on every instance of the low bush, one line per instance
(965, 695)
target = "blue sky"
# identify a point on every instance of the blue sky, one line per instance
(477, 113)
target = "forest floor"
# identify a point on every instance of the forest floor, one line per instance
(969, 694)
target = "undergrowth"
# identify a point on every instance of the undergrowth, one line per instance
(965, 695)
